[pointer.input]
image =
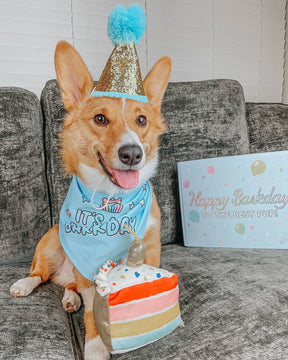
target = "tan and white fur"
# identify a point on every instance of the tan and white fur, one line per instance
(93, 132)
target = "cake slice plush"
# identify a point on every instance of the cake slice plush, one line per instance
(135, 305)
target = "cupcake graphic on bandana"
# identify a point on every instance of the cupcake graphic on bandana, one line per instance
(112, 205)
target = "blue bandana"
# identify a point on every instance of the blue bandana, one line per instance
(90, 236)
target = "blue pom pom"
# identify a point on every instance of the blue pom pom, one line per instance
(126, 24)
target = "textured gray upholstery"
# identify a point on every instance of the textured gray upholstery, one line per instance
(24, 210)
(35, 327)
(268, 127)
(54, 112)
(233, 301)
(205, 119)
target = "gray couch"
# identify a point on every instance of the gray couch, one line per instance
(234, 302)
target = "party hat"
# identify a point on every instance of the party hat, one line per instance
(121, 77)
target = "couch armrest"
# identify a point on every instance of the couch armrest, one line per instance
(25, 213)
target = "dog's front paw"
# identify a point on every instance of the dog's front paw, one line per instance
(24, 287)
(71, 301)
(96, 350)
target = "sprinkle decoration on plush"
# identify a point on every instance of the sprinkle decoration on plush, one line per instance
(135, 304)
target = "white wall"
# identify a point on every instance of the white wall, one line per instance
(243, 40)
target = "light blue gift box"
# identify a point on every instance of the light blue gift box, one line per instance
(235, 201)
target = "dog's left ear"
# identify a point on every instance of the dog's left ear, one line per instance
(156, 81)
(74, 78)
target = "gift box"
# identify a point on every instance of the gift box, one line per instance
(235, 201)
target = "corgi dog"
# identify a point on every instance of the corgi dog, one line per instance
(110, 145)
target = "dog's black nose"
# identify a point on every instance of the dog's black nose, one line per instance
(130, 154)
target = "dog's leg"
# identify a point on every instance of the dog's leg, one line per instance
(152, 235)
(42, 264)
(153, 246)
(94, 347)
(71, 300)
(64, 276)
(24, 287)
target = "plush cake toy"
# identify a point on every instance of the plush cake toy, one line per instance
(135, 304)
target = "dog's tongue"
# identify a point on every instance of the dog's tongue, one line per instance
(127, 179)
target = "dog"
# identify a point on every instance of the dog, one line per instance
(111, 145)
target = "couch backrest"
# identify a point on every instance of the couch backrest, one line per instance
(25, 213)
(268, 127)
(205, 119)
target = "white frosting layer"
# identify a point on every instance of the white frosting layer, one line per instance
(114, 277)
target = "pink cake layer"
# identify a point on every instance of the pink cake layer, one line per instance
(135, 309)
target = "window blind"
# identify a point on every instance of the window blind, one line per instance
(181, 29)
(285, 72)
(208, 39)
(272, 50)
(242, 40)
(29, 32)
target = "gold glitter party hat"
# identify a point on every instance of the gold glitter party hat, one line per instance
(121, 77)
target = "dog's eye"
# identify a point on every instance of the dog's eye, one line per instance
(141, 121)
(100, 119)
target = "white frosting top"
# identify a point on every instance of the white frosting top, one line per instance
(114, 277)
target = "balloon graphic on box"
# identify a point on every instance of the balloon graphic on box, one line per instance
(258, 167)
(186, 184)
(194, 216)
(210, 169)
(240, 228)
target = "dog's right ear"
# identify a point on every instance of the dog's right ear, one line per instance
(74, 78)
(156, 81)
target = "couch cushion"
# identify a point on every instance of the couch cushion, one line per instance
(25, 214)
(268, 127)
(234, 303)
(205, 119)
(36, 326)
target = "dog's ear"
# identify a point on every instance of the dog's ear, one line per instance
(72, 74)
(156, 81)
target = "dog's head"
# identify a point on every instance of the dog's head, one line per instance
(109, 143)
